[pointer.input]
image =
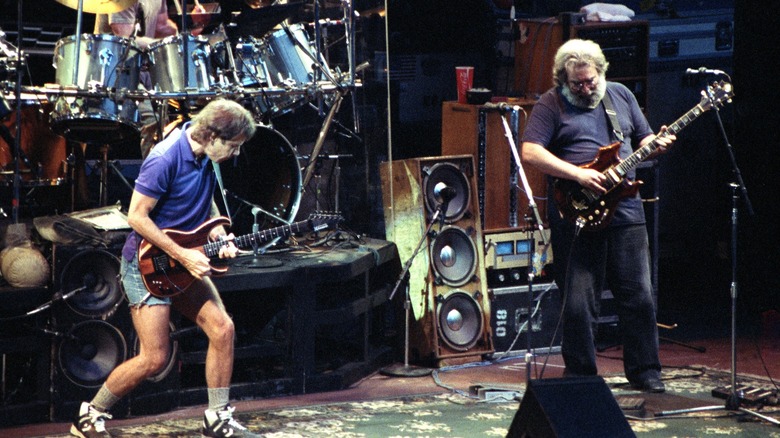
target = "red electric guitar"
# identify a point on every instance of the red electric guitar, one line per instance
(594, 211)
(165, 277)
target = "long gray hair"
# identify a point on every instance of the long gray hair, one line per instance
(224, 119)
(576, 53)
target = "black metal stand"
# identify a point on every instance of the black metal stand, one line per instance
(535, 222)
(407, 370)
(733, 402)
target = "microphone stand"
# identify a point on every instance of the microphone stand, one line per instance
(733, 402)
(407, 370)
(536, 222)
(258, 262)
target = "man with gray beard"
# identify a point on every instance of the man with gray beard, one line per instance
(566, 129)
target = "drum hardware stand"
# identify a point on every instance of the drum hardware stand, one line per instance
(16, 144)
(309, 168)
(738, 189)
(349, 29)
(104, 165)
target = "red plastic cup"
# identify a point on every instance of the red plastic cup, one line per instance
(464, 77)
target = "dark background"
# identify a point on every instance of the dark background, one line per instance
(695, 270)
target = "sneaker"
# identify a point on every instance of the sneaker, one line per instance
(91, 423)
(222, 424)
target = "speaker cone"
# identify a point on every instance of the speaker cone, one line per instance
(90, 351)
(96, 272)
(460, 321)
(454, 256)
(451, 176)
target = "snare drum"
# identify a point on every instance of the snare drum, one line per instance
(43, 151)
(107, 64)
(166, 64)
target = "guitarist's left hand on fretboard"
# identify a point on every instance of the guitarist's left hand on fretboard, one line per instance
(664, 140)
(228, 248)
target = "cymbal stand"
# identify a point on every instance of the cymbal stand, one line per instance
(738, 189)
(16, 145)
(309, 169)
(349, 29)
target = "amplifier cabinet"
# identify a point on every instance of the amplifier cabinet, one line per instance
(509, 316)
(625, 45)
(480, 131)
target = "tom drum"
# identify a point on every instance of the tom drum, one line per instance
(107, 65)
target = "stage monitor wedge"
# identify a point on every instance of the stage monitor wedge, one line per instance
(576, 407)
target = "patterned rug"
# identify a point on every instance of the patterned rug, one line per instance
(458, 414)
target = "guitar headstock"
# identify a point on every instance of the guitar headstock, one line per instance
(320, 219)
(716, 94)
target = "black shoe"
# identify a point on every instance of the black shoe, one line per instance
(651, 384)
(91, 423)
(221, 424)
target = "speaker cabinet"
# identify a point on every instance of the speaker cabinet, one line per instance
(451, 311)
(25, 352)
(625, 45)
(91, 327)
(94, 334)
(480, 131)
(579, 407)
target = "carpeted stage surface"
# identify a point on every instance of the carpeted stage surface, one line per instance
(458, 414)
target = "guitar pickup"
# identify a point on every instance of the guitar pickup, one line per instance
(161, 263)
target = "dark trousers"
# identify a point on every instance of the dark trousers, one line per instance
(617, 257)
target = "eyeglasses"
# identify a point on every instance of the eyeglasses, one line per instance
(577, 86)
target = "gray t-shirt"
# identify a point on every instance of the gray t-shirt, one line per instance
(575, 135)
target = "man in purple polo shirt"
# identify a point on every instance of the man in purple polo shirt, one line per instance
(175, 190)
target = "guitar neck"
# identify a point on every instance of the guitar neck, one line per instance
(645, 151)
(211, 249)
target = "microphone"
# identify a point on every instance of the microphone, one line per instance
(443, 194)
(704, 71)
(255, 225)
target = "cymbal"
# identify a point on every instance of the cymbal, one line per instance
(99, 6)
(257, 22)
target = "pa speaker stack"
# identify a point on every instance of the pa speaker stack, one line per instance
(90, 328)
(447, 284)
(94, 334)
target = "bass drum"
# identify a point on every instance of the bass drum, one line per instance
(267, 174)
(43, 152)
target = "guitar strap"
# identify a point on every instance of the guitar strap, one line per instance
(218, 174)
(612, 117)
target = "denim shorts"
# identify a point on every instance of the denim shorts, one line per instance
(134, 287)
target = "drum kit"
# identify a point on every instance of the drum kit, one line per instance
(257, 58)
